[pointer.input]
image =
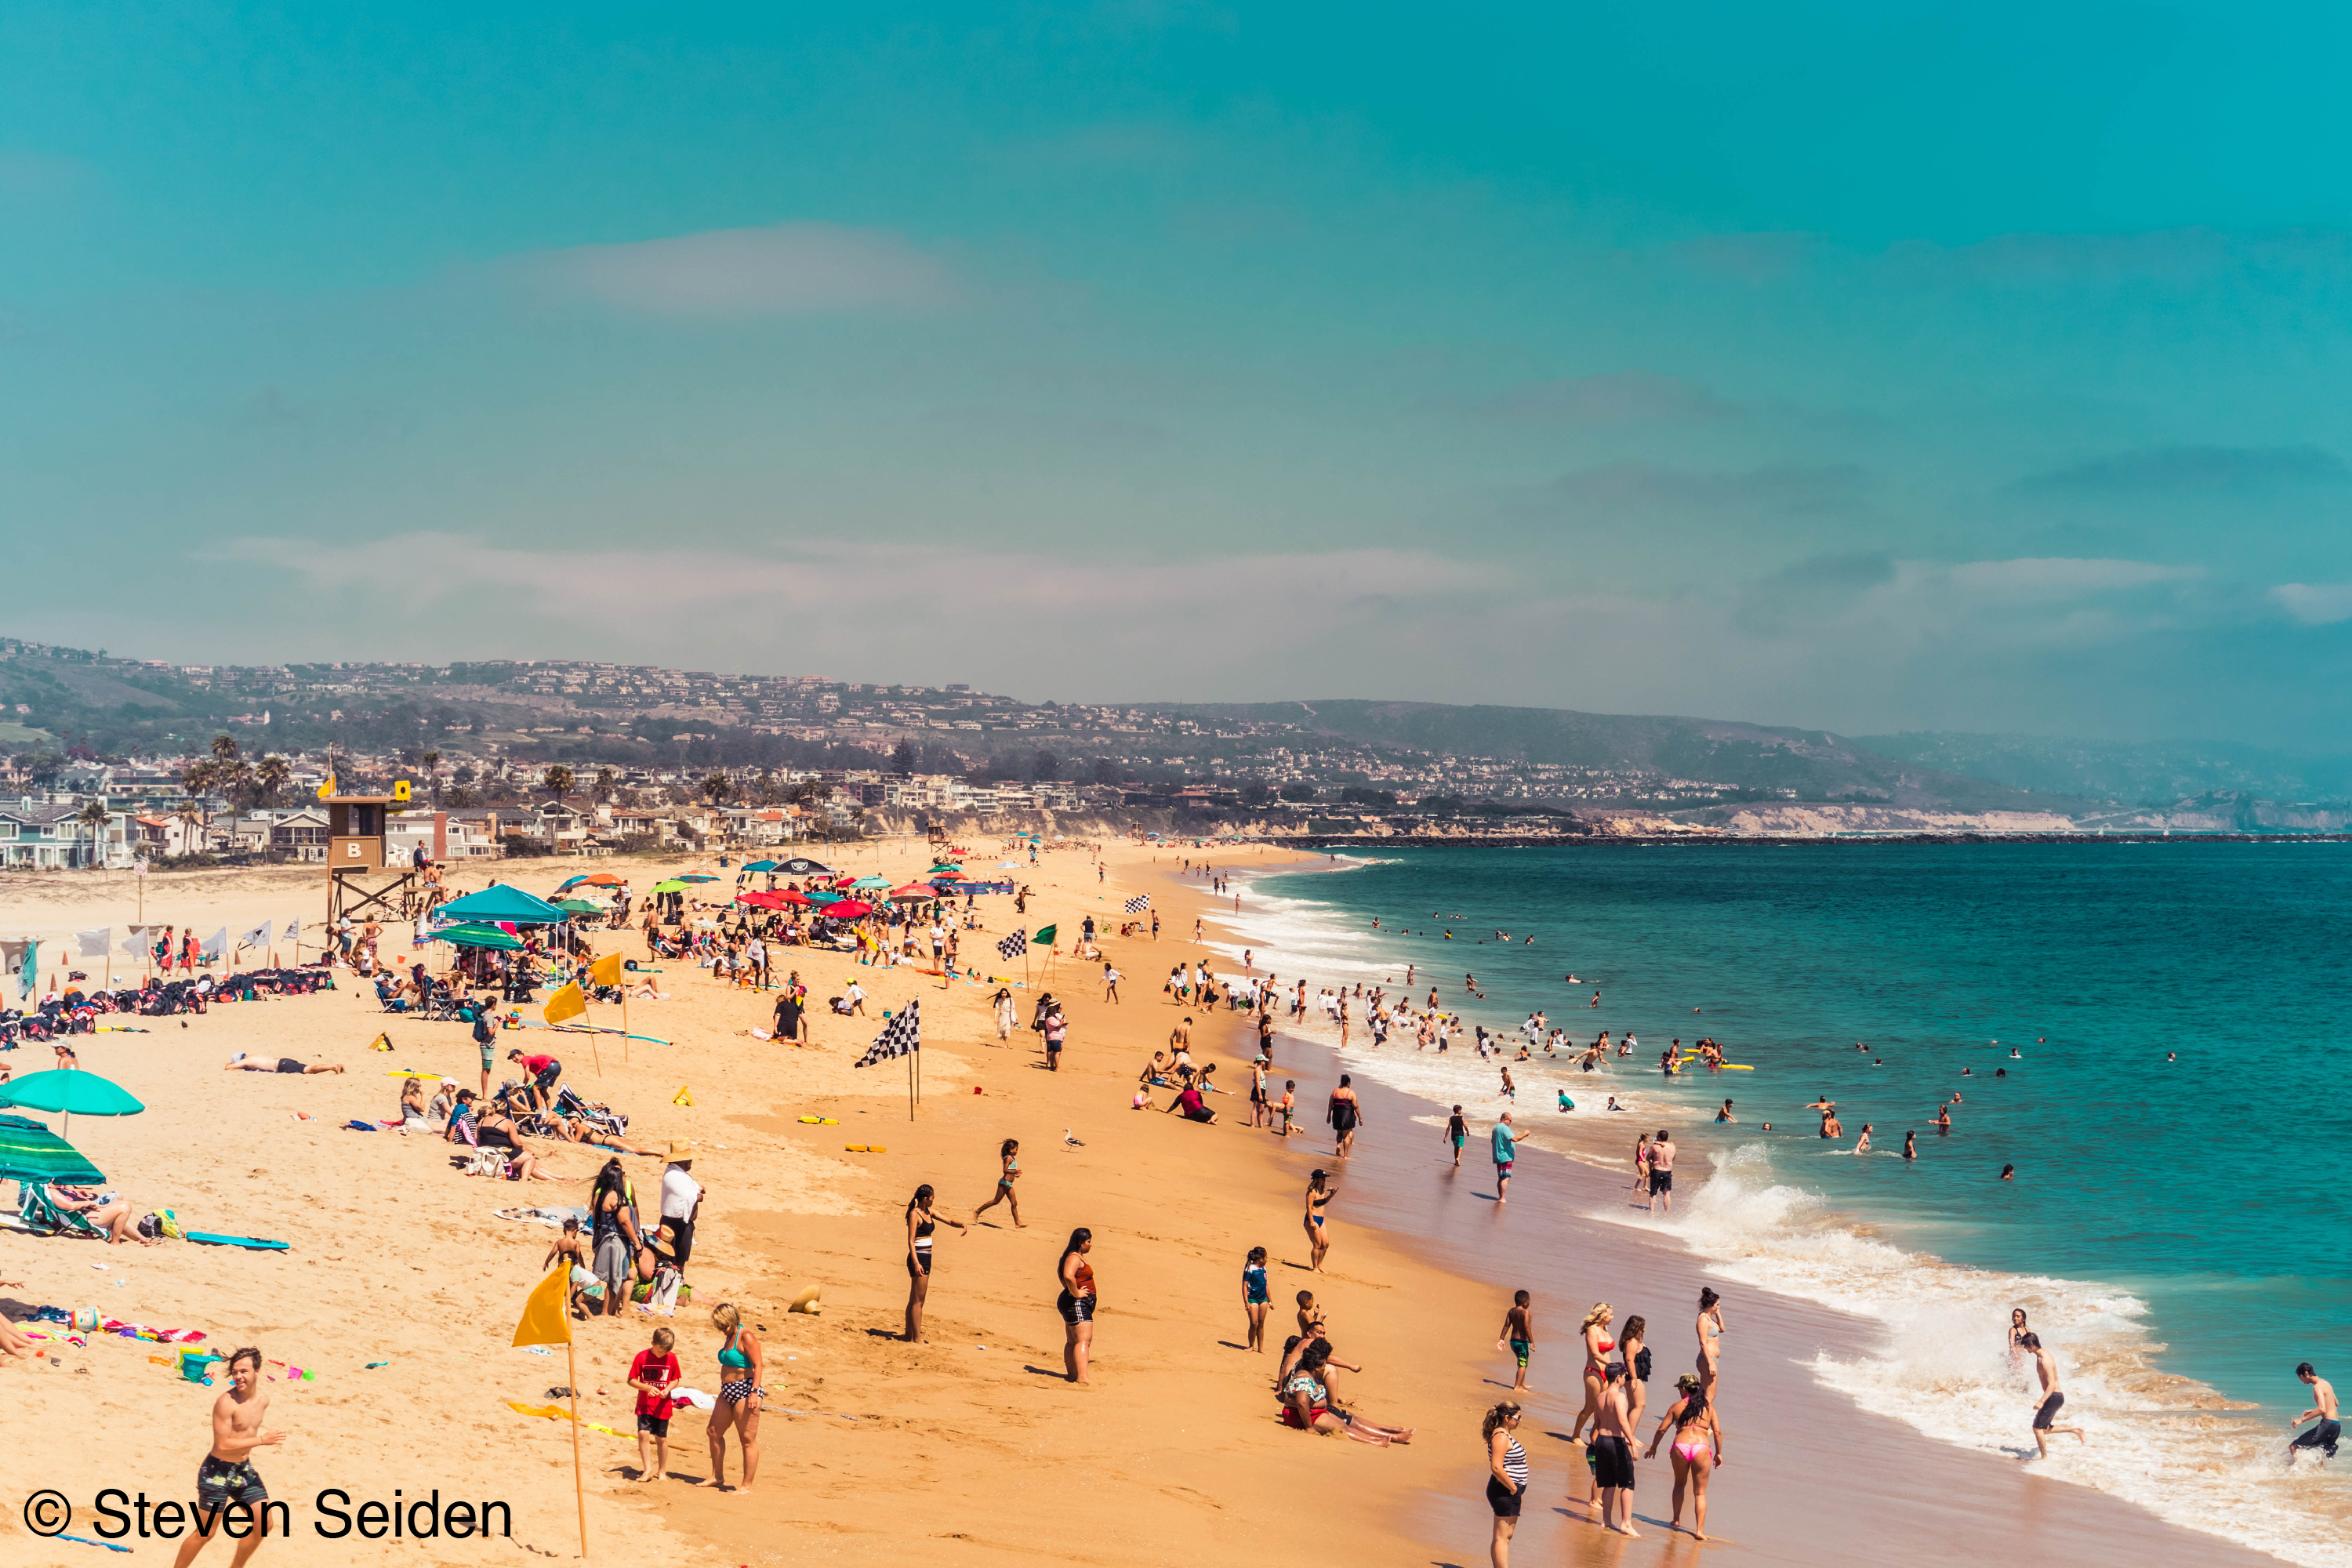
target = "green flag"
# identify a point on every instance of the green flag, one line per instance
(30, 976)
(1045, 936)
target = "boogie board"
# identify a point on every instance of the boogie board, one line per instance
(209, 1239)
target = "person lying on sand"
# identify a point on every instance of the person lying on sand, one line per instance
(243, 1063)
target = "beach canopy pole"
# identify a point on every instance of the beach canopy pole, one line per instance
(545, 1323)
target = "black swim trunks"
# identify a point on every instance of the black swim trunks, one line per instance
(288, 1064)
(2323, 1438)
(220, 1482)
(1662, 1181)
(1503, 1499)
(2048, 1412)
(658, 1426)
(1074, 1309)
(1613, 1462)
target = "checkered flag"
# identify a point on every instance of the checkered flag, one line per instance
(900, 1036)
(1014, 946)
(1138, 904)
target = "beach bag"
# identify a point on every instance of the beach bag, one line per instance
(152, 1227)
(171, 1227)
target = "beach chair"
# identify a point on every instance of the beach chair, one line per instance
(40, 1213)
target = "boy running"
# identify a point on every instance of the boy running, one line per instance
(227, 1474)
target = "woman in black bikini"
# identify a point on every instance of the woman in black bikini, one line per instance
(920, 1223)
(1318, 1224)
(1076, 1302)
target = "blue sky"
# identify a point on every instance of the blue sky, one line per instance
(1862, 366)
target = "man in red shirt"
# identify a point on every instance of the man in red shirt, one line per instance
(545, 1071)
(653, 1374)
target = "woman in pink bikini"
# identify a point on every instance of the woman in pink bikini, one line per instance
(1597, 1346)
(1699, 1449)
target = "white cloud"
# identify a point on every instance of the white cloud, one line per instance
(781, 269)
(2315, 603)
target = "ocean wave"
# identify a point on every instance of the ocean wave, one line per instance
(2166, 1442)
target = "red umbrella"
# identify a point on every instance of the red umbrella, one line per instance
(762, 900)
(915, 891)
(951, 873)
(848, 908)
(791, 896)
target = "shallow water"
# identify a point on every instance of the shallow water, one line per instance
(2178, 1229)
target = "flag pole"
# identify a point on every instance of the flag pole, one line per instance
(579, 1484)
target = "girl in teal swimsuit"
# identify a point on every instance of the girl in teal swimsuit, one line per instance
(1254, 1299)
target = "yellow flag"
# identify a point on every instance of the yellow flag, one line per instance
(606, 971)
(327, 790)
(544, 1321)
(566, 1003)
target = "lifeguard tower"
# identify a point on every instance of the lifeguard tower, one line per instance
(357, 878)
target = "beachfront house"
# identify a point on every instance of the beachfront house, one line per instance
(44, 836)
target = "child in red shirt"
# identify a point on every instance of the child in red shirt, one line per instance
(653, 1374)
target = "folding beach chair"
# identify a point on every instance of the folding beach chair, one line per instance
(40, 1213)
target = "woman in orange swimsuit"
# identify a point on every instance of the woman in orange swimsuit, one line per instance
(1597, 1346)
(1699, 1449)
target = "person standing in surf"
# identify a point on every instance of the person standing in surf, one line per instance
(2330, 1430)
(2053, 1398)
(1344, 1113)
(1506, 1153)
(1458, 1133)
(1661, 1169)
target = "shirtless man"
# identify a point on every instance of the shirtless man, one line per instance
(243, 1063)
(1661, 1169)
(2330, 1430)
(226, 1478)
(1831, 1128)
(2053, 1396)
(1613, 1453)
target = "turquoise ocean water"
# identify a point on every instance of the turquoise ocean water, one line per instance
(2181, 1228)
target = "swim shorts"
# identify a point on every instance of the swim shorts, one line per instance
(1520, 1348)
(613, 1264)
(923, 1258)
(659, 1425)
(1503, 1499)
(220, 1482)
(2324, 1436)
(288, 1064)
(1613, 1462)
(1662, 1181)
(1503, 1169)
(2048, 1412)
(1074, 1309)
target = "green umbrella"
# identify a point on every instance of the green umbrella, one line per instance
(478, 936)
(871, 881)
(579, 907)
(697, 877)
(673, 886)
(71, 1092)
(31, 1152)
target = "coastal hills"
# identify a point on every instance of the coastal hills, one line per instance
(1331, 758)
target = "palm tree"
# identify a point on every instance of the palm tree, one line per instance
(192, 811)
(606, 783)
(198, 781)
(225, 748)
(94, 815)
(556, 780)
(718, 786)
(269, 779)
(432, 761)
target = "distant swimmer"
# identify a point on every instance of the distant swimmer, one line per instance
(1596, 999)
(2013, 1054)
(1943, 1122)
(1862, 1144)
(2009, 1173)
(1725, 1114)
(1823, 1103)
(1830, 1127)
(2330, 1430)
(2172, 1056)
(2053, 1398)
(1910, 1145)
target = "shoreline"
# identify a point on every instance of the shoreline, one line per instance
(1845, 1373)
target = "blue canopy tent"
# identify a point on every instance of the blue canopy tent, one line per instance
(502, 903)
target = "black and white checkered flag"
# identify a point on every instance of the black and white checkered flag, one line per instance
(900, 1036)
(1014, 946)
(1138, 904)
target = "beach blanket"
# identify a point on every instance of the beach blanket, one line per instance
(553, 1217)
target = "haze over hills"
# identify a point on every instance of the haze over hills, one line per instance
(1363, 753)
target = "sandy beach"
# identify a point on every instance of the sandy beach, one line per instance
(969, 1448)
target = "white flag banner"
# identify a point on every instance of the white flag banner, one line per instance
(216, 944)
(93, 943)
(258, 937)
(140, 940)
(293, 931)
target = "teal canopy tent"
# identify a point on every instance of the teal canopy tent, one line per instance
(502, 904)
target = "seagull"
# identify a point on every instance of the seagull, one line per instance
(1070, 1143)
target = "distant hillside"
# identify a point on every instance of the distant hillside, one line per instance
(1814, 763)
(2151, 773)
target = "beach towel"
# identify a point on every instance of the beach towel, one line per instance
(553, 1217)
